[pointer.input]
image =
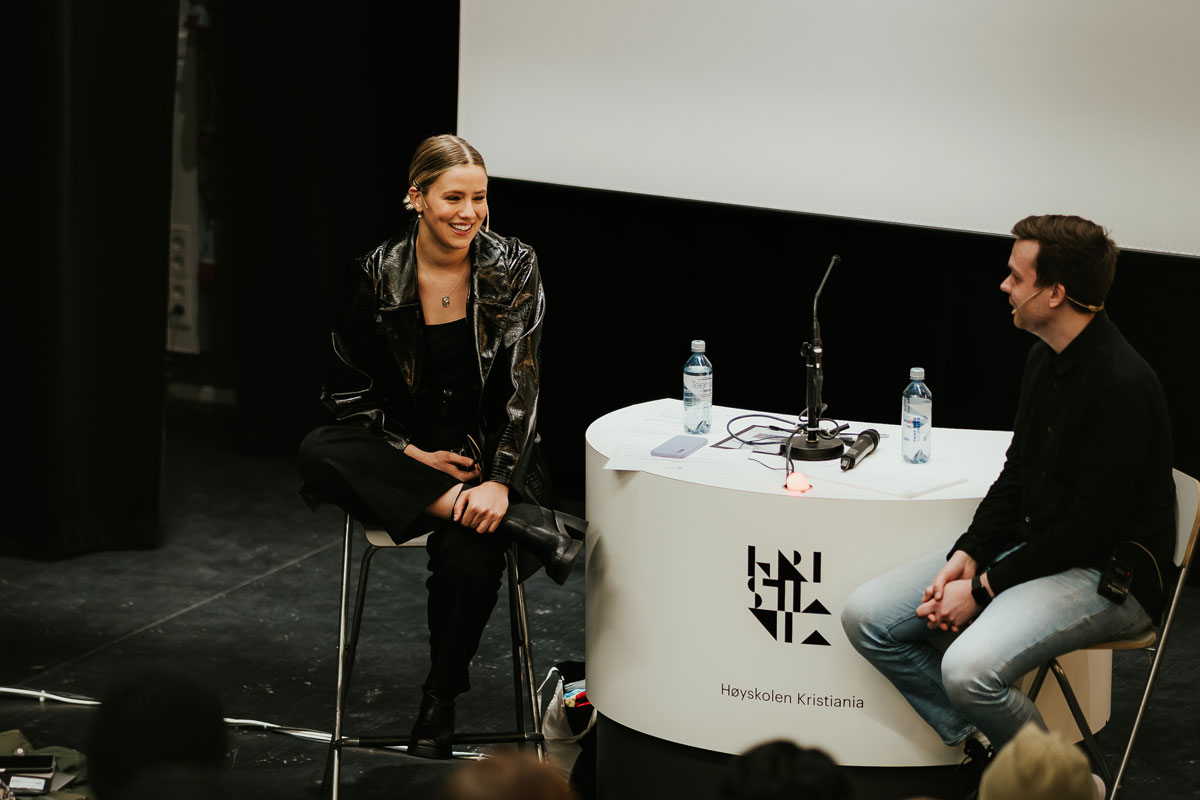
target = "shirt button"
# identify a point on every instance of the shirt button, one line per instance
(1027, 519)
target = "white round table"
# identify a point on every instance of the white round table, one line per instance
(714, 594)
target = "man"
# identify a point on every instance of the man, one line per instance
(1087, 478)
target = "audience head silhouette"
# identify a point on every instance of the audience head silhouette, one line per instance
(506, 776)
(157, 728)
(780, 769)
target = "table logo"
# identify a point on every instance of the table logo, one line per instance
(778, 596)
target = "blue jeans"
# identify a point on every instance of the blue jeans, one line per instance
(971, 685)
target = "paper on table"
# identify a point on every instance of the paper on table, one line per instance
(897, 478)
(664, 419)
(664, 422)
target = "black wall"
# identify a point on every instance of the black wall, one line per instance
(318, 110)
(632, 279)
(321, 113)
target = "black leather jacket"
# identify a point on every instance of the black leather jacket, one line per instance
(379, 348)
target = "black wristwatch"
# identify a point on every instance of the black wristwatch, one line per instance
(979, 592)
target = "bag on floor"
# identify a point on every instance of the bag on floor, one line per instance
(569, 714)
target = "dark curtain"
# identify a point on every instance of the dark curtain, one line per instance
(92, 199)
(321, 108)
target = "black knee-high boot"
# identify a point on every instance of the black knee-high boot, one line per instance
(554, 537)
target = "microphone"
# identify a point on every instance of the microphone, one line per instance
(814, 444)
(833, 262)
(863, 446)
(1027, 299)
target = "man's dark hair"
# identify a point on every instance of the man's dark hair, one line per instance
(1074, 252)
(780, 769)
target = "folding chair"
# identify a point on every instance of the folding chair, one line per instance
(1187, 521)
(523, 733)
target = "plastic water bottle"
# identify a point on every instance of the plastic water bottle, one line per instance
(697, 390)
(916, 418)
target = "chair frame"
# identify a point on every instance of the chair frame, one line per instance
(524, 690)
(1187, 523)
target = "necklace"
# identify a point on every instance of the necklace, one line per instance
(446, 297)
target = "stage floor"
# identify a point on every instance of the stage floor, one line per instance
(244, 590)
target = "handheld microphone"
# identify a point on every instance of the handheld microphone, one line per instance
(863, 446)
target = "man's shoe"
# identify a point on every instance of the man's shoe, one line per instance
(553, 537)
(434, 729)
(975, 761)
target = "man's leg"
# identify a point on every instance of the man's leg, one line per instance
(1021, 629)
(881, 622)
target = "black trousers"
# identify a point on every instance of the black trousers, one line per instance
(351, 467)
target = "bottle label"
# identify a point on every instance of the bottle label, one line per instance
(916, 427)
(699, 385)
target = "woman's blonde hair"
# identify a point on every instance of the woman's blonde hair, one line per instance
(506, 776)
(434, 156)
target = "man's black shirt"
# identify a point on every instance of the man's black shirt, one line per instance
(1088, 471)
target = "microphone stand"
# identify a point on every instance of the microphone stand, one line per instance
(811, 445)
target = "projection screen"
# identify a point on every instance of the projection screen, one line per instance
(957, 115)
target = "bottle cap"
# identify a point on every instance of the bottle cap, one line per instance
(697, 345)
(916, 374)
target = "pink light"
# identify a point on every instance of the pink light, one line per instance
(796, 482)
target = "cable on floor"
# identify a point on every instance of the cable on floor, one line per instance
(308, 734)
(84, 700)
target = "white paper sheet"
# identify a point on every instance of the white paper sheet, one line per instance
(897, 478)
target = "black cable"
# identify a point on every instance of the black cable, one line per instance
(831, 433)
(734, 436)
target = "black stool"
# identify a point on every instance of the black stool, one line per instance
(523, 686)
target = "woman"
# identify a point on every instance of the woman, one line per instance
(434, 384)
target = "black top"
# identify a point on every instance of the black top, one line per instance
(1088, 471)
(449, 395)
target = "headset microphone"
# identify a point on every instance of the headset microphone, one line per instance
(1027, 299)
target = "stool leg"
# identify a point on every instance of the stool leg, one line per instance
(1089, 740)
(347, 648)
(1036, 687)
(514, 624)
(523, 657)
(535, 711)
(329, 783)
(356, 623)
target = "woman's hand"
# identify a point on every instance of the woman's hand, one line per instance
(482, 507)
(457, 466)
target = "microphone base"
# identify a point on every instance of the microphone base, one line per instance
(820, 450)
